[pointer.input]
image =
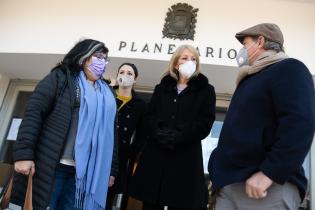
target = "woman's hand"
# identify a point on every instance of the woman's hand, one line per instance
(24, 167)
(111, 181)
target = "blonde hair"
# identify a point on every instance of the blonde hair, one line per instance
(172, 71)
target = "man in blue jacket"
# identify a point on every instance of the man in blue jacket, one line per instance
(268, 129)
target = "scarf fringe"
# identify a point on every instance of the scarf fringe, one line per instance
(90, 201)
(80, 192)
(85, 201)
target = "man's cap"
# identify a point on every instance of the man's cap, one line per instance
(270, 31)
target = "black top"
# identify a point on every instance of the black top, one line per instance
(175, 177)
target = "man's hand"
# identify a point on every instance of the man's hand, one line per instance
(111, 181)
(257, 185)
(24, 167)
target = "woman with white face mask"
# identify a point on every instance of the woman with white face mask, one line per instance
(130, 113)
(180, 114)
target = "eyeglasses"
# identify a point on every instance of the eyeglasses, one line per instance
(101, 55)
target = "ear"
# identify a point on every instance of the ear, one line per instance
(261, 41)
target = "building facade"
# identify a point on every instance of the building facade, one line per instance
(35, 35)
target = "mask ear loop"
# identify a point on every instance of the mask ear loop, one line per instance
(255, 42)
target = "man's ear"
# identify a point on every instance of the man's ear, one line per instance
(261, 41)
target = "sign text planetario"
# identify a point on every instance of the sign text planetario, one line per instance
(205, 51)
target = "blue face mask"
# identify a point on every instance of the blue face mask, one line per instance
(97, 67)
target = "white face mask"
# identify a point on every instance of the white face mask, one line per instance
(187, 69)
(125, 81)
(242, 57)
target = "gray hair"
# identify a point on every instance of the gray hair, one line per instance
(91, 49)
(270, 45)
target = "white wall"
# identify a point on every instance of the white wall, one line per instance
(36, 26)
(4, 83)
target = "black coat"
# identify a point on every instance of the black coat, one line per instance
(175, 177)
(130, 117)
(43, 133)
(269, 127)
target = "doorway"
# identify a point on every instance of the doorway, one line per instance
(10, 137)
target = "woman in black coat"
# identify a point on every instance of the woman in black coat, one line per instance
(130, 113)
(61, 140)
(180, 114)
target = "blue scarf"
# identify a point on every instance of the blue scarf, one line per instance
(94, 144)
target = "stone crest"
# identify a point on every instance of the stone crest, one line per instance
(180, 22)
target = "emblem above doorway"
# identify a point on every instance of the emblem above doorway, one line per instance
(180, 22)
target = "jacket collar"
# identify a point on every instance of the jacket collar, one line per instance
(133, 93)
(135, 97)
(195, 83)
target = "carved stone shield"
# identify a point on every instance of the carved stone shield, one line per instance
(180, 22)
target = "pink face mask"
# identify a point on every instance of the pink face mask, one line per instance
(97, 67)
